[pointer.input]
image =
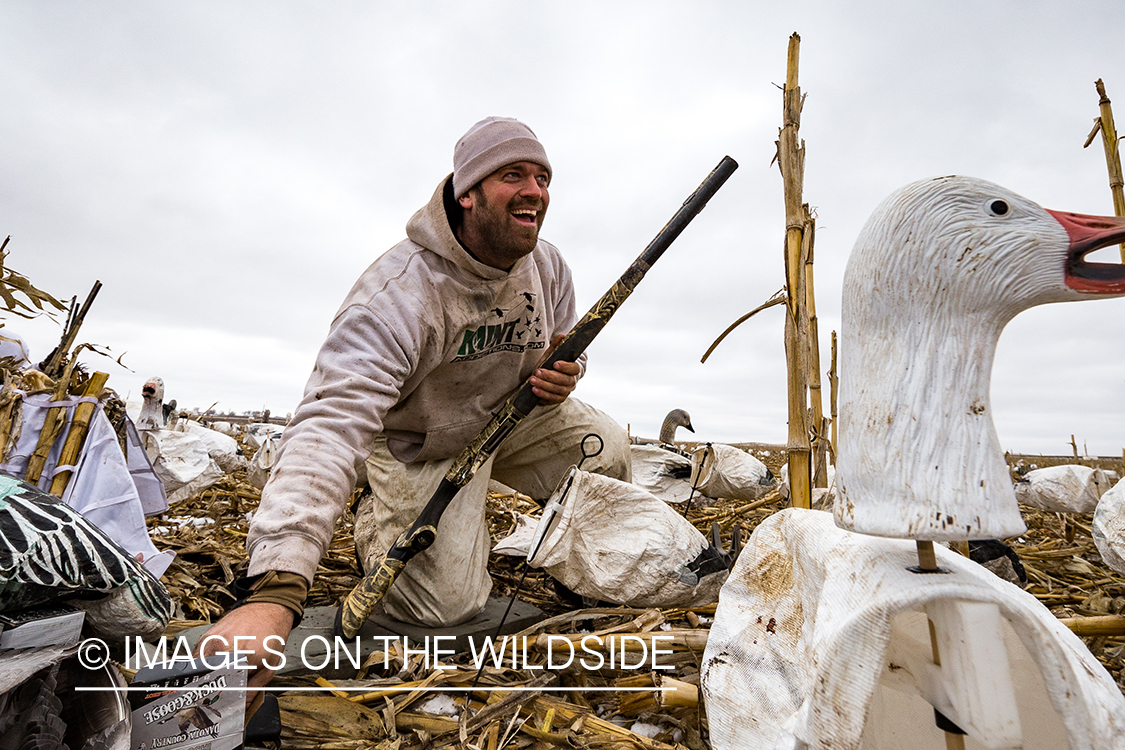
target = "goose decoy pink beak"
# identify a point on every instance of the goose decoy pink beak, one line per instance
(1087, 234)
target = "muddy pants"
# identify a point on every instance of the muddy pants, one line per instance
(449, 583)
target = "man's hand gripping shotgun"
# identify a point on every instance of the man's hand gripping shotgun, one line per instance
(358, 606)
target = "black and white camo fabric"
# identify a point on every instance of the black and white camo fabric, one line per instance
(50, 553)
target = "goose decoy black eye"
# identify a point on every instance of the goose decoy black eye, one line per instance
(998, 207)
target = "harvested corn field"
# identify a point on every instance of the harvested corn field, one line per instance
(407, 705)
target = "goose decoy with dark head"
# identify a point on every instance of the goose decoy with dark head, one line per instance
(675, 418)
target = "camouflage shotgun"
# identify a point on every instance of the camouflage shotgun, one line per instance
(362, 600)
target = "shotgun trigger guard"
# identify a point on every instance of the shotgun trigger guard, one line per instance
(421, 539)
(504, 426)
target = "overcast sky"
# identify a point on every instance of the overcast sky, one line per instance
(227, 169)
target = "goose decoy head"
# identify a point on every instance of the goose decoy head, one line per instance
(153, 389)
(152, 411)
(937, 272)
(675, 418)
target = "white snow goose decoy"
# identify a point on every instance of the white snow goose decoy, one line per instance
(820, 639)
(154, 412)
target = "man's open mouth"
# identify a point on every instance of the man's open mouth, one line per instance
(1087, 234)
(526, 216)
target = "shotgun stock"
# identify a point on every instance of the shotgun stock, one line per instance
(362, 600)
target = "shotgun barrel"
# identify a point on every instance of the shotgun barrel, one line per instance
(362, 600)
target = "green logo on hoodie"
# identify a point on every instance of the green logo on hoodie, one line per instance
(524, 332)
(485, 338)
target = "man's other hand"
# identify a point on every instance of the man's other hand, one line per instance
(553, 386)
(261, 629)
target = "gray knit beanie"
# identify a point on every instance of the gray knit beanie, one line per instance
(489, 145)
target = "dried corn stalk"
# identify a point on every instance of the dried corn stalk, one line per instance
(1104, 124)
(13, 283)
(791, 160)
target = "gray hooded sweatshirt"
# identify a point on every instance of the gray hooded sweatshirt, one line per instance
(428, 343)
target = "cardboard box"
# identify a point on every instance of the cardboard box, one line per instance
(189, 706)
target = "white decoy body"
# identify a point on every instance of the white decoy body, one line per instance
(714, 470)
(663, 469)
(936, 274)
(1109, 527)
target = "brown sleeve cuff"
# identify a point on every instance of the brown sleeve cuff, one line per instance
(280, 587)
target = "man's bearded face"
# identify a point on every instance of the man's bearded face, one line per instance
(507, 211)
